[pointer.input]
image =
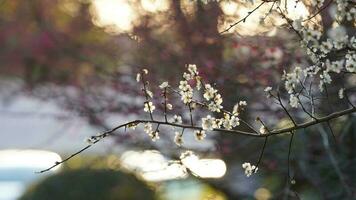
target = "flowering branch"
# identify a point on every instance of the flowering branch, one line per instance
(204, 99)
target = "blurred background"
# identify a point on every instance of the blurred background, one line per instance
(67, 71)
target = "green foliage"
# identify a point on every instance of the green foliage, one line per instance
(89, 184)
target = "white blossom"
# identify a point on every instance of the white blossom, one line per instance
(326, 46)
(198, 82)
(293, 101)
(337, 34)
(235, 110)
(149, 107)
(263, 129)
(215, 105)
(187, 76)
(169, 106)
(138, 77)
(164, 85)
(209, 123)
(209, 92)
(192, 69)
(147, 128)
(341, 93)
(352, 42)
(335, 66)
(154, 135)
(242, 103)
(149, 93)
(350, 64)
(249, 169)
(234, 121)
(326, 78)
(187, 96)
(176, 119)
(199, 134)
(184, 86)
(268, 89)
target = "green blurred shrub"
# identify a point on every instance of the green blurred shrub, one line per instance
(89, 184)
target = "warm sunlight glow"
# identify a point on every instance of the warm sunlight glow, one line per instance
(252, 25)
(117, 14)
(205, 168)
(229, 8)
(28, 159)
(152, 166)
(155, 5)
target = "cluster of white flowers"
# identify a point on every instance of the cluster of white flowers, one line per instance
(352, 42)
(230, 121)
(209, 123)
(186, 91)
(350, 64)
(249, 169)
(292, 79)
(311, 39)
(212, 95)
(337, 39)
(345, 10)
(149, 107)
(138, 75)
(176, 119)
(318, 3)
(293, 101)
(164, 86)
(149, 130)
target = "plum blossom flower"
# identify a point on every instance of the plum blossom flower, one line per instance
(199, 134)
(149, 107)
(209, 92)
(209, 123)
(176, 119)
(192, 69)
(154, 135)
(341, 93)
(164, 85)
(147, 128)
(293, 101)
(138, 77)
(249, 169)
(263, 129)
